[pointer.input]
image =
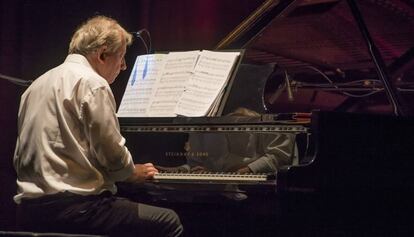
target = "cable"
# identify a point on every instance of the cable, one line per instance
(405, 89)
(356, 82)
(343, 92)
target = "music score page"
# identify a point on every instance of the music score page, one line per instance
(141, 82)
(208, 80)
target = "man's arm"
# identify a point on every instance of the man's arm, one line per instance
(106, 143)
(278, 151)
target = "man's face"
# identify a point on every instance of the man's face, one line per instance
(112, 64)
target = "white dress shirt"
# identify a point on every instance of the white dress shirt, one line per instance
(69, 138)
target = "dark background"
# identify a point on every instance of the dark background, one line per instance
(34, 37)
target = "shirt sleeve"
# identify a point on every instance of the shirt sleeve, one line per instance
(102, 128)
(278, 151)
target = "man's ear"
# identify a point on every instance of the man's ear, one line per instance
(102, 54)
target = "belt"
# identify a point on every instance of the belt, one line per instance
(64, 196)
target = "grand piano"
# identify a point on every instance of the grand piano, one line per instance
(334, 78)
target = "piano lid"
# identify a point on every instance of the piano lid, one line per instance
(319, 47)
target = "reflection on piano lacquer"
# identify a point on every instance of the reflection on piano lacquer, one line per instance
(228, 150)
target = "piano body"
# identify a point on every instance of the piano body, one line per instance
(335, 79)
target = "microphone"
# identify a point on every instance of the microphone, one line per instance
(139, 34)
(288, 87)
(15, 80)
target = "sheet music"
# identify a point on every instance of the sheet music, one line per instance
(209, 79)
(177, 70)
(189, 83)
(140, 85)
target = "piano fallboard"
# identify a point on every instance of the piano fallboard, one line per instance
(221, 145)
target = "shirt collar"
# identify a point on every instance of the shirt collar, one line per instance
(78, 58)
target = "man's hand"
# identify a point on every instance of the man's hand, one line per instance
(244, 170)
(142, 172)
(198, 169)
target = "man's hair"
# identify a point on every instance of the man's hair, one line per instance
(97, 32)
(241, 111)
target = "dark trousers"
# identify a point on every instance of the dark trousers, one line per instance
(102, 214)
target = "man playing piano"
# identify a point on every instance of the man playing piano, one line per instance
(69, 150)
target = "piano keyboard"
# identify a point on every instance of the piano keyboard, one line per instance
(213, 177)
